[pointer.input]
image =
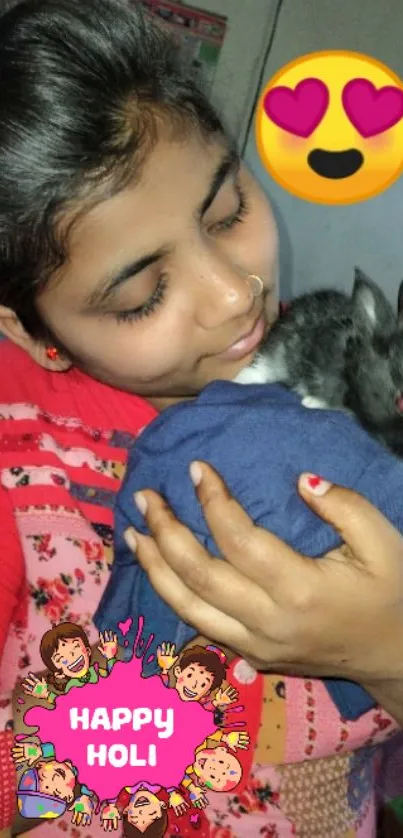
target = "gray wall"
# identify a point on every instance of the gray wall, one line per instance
(320, 245)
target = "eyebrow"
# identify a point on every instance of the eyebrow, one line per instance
(228, 166)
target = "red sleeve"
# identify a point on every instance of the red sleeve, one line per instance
(163, 795)
(123, 799)
(12, 572)
(8, 780)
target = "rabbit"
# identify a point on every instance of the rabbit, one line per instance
(340, 352)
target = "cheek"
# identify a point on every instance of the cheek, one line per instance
(146, 350)
(261, 240)
(382, 142)
(291, 143)
(82, 650)
(180, 680)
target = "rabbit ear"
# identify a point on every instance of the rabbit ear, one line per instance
(400, 302)
(371, 304)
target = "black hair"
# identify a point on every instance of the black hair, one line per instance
(84, 85)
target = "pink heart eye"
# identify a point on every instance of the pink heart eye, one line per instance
(372, 111)
(298, 111)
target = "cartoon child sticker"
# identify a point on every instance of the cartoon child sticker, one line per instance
(143, 809)
(198, 672)
(66, 652)
(216, 766)
(48, 787)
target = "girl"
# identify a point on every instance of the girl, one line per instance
(128, 230)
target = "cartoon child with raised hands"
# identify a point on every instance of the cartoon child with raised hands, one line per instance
(66, 652)
(199, 673)
(48, 787)
(216, 767)
(143, 809)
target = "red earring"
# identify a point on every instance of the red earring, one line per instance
(52, 353)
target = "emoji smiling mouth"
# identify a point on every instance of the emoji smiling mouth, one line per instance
(335, 165)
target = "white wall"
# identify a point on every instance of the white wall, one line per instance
(320, 245)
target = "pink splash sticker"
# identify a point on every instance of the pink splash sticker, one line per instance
(125, 626)
(124, 729)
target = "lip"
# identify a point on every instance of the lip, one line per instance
(77, 665)
(247, 343)
(189, 693)
(141, 801)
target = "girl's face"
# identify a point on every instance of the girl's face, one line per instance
(144, 808)
(155, 292)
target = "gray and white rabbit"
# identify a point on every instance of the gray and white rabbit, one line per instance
(340, 352)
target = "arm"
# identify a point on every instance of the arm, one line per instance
(108, 647)
(339, 616)
(166, 659)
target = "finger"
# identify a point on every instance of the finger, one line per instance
(219, 584)
(258, 554)
(208, 620)
(370, 536)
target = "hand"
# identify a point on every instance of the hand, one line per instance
(36, 687)
(178, 803)
(237, 739)
(110, 817)
(108, 645)
(223, 698)
(166, 657)
(337, 616)
(197, 796)
(82, 809)
(28, 752)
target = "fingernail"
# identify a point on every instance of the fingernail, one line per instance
(315, 485)
(196, 473)
(130, 539)
(140, 502)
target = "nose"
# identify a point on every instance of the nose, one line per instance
(222, 293)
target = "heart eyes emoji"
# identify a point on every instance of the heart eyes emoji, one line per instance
(300, 110)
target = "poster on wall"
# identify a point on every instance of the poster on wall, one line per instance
(200, 36)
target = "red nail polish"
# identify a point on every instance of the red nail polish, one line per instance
(314, 481)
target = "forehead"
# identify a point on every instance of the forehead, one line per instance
(199, 667)
(64, 643)
(148, 213)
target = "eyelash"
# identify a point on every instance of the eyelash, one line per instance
(148, 308)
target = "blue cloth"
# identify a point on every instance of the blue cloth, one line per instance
(259, 438)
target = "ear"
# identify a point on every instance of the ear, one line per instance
(371, 304)
(177, 671)
(163, 805)
(12, 328)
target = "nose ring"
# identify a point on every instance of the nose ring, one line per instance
(256, 285)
